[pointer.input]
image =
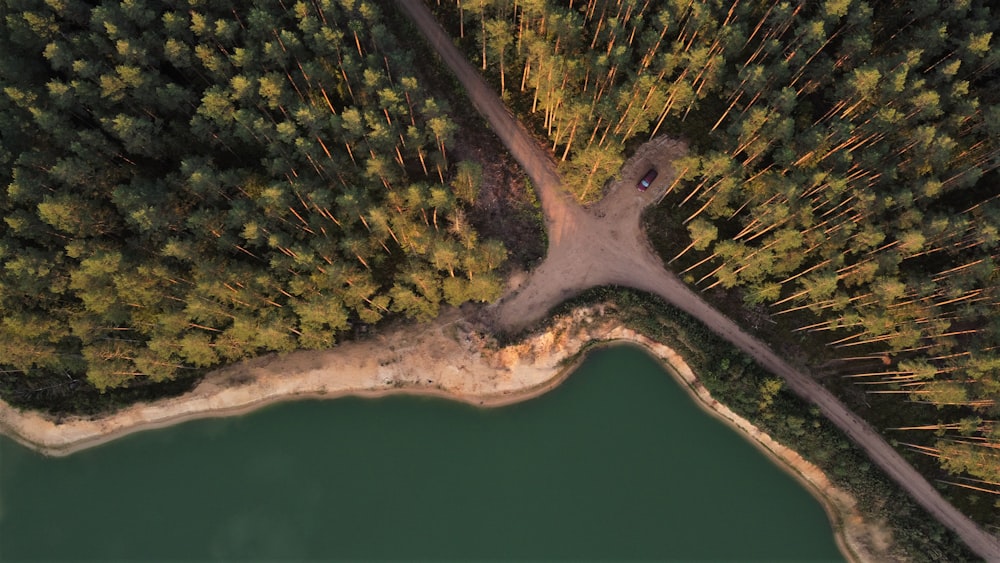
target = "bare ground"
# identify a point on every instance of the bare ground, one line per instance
(602, 245)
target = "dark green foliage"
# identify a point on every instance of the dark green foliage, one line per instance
(191, 183)
(843, 173)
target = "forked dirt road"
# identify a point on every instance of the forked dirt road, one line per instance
(606, 245)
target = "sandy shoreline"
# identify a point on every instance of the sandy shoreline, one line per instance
(397, 361)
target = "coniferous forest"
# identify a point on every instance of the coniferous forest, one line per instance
(188, 183)
(191, 182)
(842, 180)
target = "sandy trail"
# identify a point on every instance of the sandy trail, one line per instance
(561, 212)
(606, 245)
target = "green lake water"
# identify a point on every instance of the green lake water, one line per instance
(618, 463)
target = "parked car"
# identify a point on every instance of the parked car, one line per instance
(647, 180)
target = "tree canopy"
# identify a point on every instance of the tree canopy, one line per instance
(843, 169)
(192, 182)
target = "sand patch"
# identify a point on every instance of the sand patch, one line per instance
(447, 358)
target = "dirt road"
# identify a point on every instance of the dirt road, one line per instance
(561, 211)
(605, 245)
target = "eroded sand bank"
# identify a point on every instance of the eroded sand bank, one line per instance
(447, 358)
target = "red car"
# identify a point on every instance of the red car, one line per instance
(646, 180)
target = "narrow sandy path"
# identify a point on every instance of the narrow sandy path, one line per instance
(605, 245)
(561, 212)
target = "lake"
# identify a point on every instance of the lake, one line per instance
(617, 463)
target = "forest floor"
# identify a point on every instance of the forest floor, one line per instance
(605, 245)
